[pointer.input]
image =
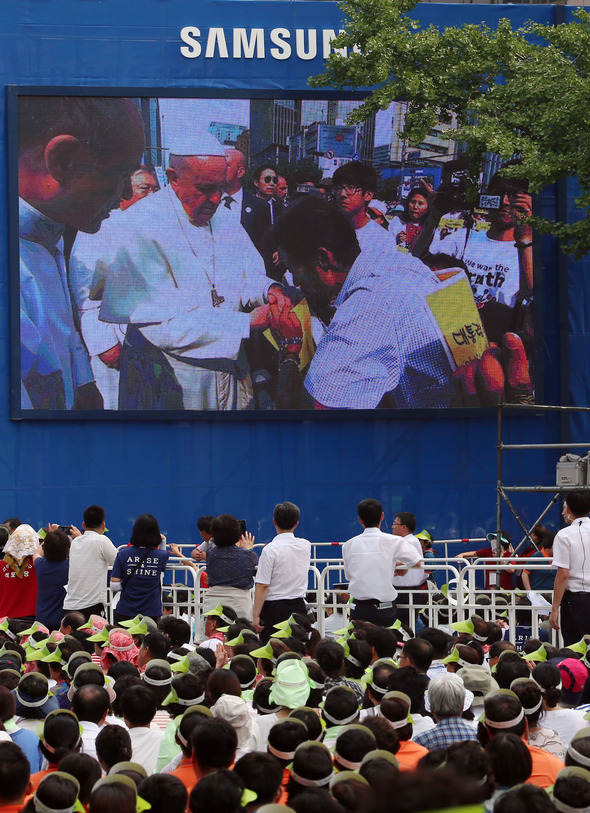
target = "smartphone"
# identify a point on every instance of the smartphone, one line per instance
(64, 529)
(243, 528)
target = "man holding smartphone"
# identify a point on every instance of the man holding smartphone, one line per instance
(91, 555)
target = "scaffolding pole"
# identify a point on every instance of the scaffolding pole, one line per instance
(502, 489)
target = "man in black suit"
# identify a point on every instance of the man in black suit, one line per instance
(260, 211)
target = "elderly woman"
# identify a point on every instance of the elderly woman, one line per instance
(18, 580)
(231, 564)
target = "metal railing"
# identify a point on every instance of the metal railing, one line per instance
(463, 596)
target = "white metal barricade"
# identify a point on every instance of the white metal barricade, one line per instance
(438, 614)
(183, 593)
(502, 602)
(463, 596)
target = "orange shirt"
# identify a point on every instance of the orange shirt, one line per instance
(37, 777)
(12, 808)
(185, 773)
(284, 782)
(409, 754)
(546, 766)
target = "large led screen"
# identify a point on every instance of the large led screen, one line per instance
(199, 255)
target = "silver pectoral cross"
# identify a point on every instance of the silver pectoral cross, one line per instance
(215, 298)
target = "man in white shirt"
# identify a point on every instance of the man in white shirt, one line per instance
(354, 186)
(281, 579)
(138, 705)
(404, 525)
(370, 563)
(91, 555)
(91, 705)
(571, 557)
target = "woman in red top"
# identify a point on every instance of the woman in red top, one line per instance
(18, 580)
(506, 574)
(407, 226)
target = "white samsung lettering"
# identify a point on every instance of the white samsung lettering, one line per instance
(256, 41)
(216, 37)
(328, 34)
(312, 49)
(250, 43)
(189, 34)
(278, 37)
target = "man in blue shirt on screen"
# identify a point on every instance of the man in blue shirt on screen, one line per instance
(380, 341)
(381, 345)
(75, 159)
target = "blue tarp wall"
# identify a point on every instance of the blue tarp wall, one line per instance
(442, 468)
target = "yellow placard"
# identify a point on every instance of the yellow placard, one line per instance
(451, 223)
(453, 307)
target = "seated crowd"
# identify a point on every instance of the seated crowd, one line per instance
(151, 714)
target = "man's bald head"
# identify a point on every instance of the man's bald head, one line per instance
(198, 181)
(236, 169)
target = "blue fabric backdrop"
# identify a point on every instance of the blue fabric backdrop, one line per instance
(442, 468)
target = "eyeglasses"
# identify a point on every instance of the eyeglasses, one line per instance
(348, 190)
(270, 179)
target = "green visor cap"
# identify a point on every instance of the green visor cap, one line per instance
(343, 776)
(283, 624)
(119, 767)
(118, 778)
(378, 753)
(218, 611)
(264, 652)
(77, 807)
(292, 684)
(37, 654)
(580, 646)
(101, 637)
(539, 655)
(11, 653)
(36, 627)
(54, 657)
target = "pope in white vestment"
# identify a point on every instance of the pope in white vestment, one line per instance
(182, 286)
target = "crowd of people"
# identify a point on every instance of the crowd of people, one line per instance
(251, 709)
(187, 290)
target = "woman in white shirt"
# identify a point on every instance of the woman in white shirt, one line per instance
(565, 721)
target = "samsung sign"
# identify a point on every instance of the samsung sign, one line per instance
(258, 43)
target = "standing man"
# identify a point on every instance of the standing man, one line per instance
(75, 158)
(404, 525)
(233, 199)
(354, 186)
(281, 580)
(260, 211)
(281, 190)
(571, 557)
(370, 563)
(186, 285)
(91, 555)
(104, 341)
